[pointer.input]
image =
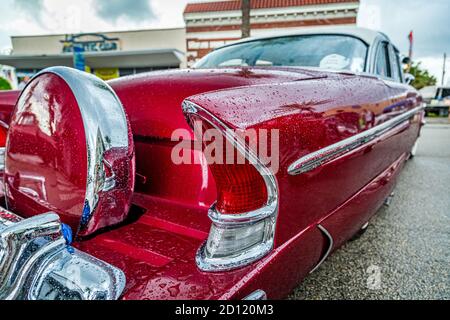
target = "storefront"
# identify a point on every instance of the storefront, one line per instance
(108, 55)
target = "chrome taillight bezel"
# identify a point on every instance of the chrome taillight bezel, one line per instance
(268, 213)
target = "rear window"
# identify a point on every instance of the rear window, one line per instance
(445, 93)
(338, 52)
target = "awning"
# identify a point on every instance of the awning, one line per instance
(103, 59)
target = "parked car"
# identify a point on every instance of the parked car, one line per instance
(95, 207)
(437, 100)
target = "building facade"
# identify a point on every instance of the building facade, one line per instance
(212, 24)
(209, 24)
(108, 55)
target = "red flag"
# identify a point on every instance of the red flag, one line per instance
(411, 37)
(411, 41)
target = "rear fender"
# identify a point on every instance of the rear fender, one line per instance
(8, 100)
(309, 116)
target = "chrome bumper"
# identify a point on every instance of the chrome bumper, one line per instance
(36, 263)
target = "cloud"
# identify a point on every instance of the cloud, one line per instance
(113, 10)
(32, 8)
(435, 65)
(428, 20)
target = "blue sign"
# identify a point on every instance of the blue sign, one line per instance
(90, 42)
(78, 58)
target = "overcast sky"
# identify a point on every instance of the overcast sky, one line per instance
(428, 19)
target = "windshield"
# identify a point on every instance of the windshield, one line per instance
(324, 51)
(443, 93)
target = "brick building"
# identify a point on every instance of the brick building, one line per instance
(214, 23)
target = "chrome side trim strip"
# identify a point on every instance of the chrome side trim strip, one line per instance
(327, 154)
(257, 295)
(2, 159)
(37, 263)
(330, 246)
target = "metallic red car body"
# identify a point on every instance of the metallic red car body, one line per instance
(168, 221)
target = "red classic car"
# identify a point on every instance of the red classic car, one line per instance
(109, 189)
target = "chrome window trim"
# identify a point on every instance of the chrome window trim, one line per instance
(379, 45)
(105, 124)
(330, 247)
(268, 212)
(38, 263)
(325, 155)
(395, 61)
(372, 59)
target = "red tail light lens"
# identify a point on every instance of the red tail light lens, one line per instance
(240, 188)
(3, 134)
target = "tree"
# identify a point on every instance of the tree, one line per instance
(245, 18)
(4, 84)
(423, 78)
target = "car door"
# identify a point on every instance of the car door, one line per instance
(388, 153)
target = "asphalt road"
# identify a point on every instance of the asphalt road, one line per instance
(405, 253)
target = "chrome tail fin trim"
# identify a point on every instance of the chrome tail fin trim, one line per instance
(267, 214)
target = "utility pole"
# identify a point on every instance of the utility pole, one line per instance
(245, 18)
(443, 69)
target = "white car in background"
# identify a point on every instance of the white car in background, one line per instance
(437, 99)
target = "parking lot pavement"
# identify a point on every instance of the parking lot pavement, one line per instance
(405, 253)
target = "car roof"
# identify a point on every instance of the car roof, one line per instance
(366, 35)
